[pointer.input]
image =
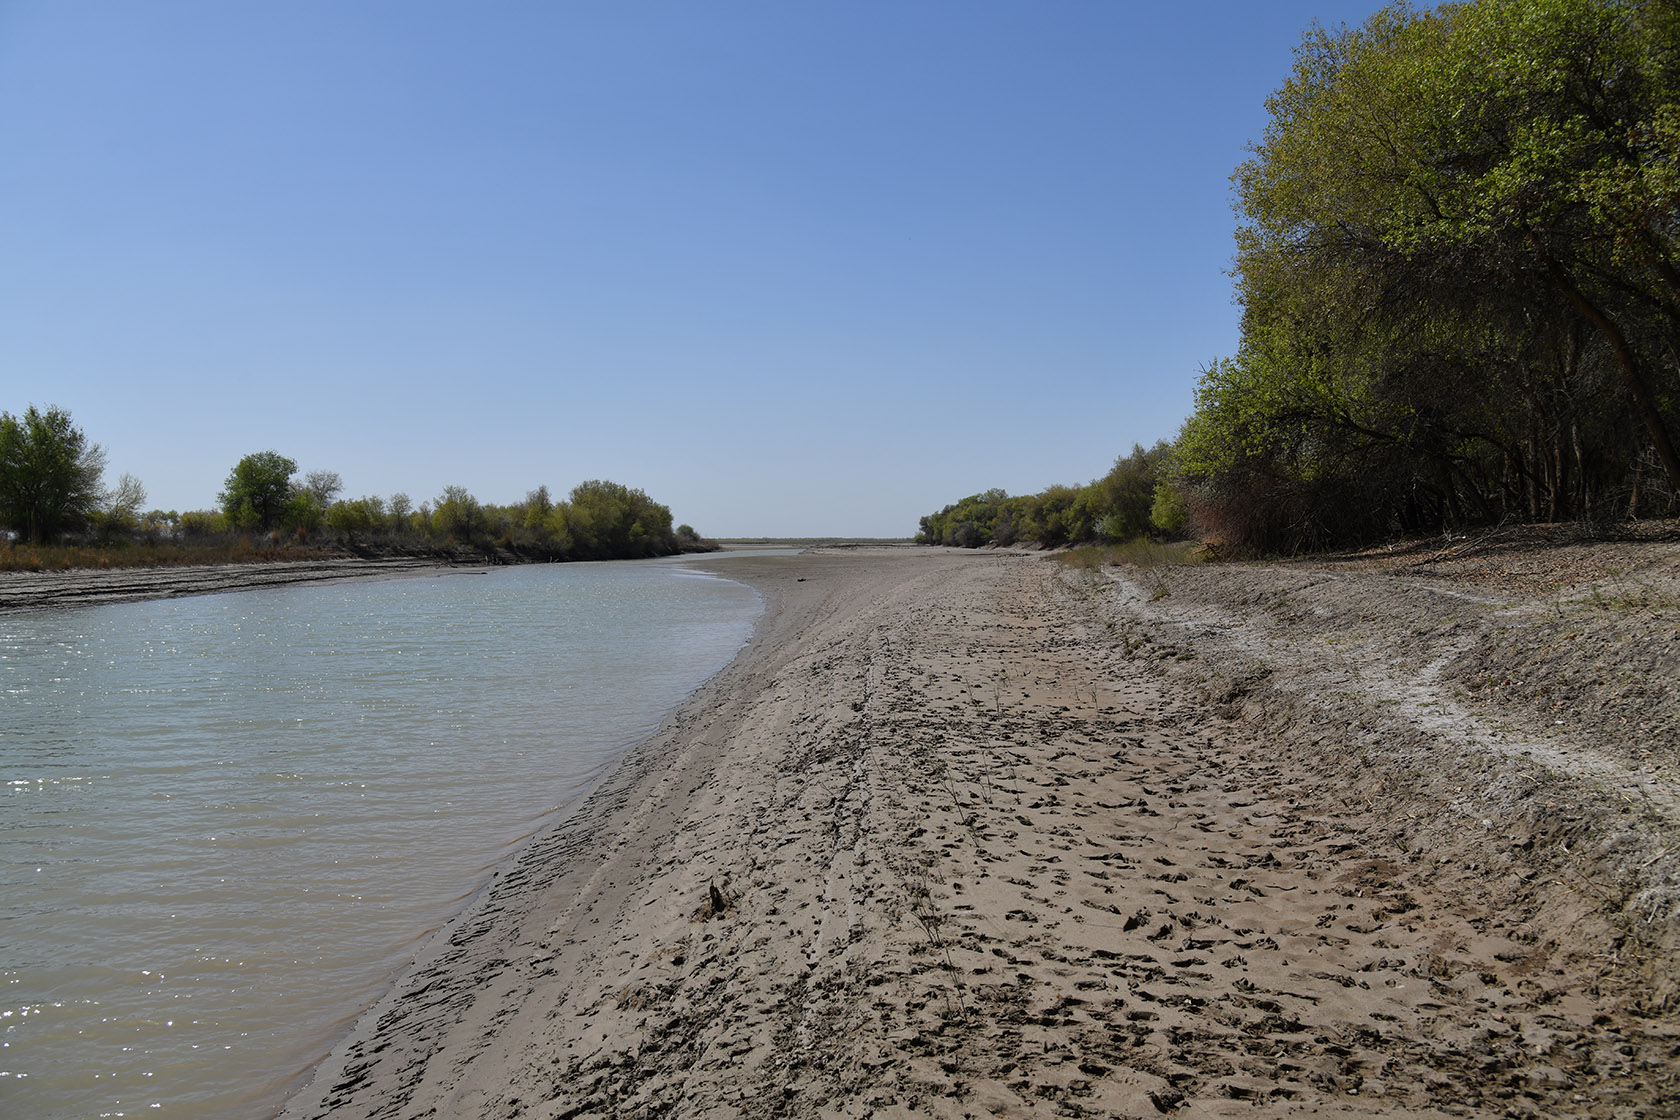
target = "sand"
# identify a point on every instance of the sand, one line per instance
(973, 834)
(80, 587)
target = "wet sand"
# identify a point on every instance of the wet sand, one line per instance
(963, 834)
(81, 587)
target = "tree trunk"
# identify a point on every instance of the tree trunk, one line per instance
(1554, 480)
(1644, 400)
(1583, 491)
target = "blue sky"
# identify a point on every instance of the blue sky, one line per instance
(791, 268)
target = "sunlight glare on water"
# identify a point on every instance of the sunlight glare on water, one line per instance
(227, 821)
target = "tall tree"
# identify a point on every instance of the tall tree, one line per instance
(323, 487)
(257, 490)
(49, 474)
(609, 521)
(458, 515)
(121, 507)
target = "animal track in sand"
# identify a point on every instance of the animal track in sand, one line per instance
(987, 859)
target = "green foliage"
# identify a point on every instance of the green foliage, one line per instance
(122, 504)
(49, 475)
(401, 511)
(201, 523)
(1457, 261)
(609, 521)
(538, 506)
(258, 491)
(601, 521)
(987, 518)
(49, 486)
(1167, 510)
(558, 529)
(302, 514)
(359, 517)
(159, 525)
(457, 515)
(1121, 500)
(1056, 516)
(1114, 507)
(690, 541)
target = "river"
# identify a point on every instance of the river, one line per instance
(229, 820)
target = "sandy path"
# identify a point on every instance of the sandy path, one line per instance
(942, 843)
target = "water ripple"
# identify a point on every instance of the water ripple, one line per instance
(227, 820)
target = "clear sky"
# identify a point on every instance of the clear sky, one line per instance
(792, 268)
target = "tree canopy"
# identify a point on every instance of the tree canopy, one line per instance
(1457, 263)
(1116, 507)
(606, 519)
(258, 489)
(50, 475)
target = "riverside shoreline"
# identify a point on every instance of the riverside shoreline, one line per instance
(83, 587)
(968, 834)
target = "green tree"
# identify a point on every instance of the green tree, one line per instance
(458, 515)
(609, 521)
(402, 513)
(557, 528)
(302, 513)
(49, 474)
(1167, 512)
(258, 490)
(538, 506)
(159, 524)
(1118, 503)
(1562, 118)
(1055, 516)
(1457, 266)
(357, 517)
(196, 524)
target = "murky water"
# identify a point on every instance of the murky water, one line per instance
(226, 821)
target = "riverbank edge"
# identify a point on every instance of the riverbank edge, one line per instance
(59, 589)
(22, 592)
(590, 813)
(748, 915)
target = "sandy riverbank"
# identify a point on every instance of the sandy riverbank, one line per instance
(82, 587)
(970, 834)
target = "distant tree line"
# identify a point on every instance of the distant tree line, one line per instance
(1133, 499)
(51, 490)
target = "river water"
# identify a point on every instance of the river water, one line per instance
(227, 821)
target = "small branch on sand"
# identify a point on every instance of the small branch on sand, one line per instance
(718, 902)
